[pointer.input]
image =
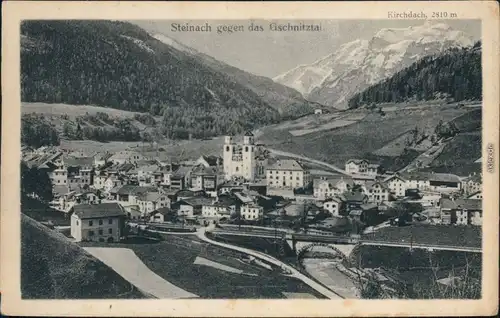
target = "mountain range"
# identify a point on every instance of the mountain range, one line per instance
(356, 65)
(287, 101)
(119, 65)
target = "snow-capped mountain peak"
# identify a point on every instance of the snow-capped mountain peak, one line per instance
(355, 65)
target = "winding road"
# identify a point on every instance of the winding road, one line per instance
(294, 273)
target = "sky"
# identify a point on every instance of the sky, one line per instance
(270, 53)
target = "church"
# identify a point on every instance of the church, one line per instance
(239, 158)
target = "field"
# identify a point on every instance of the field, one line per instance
(430, 234)
(367, 135)
(54, 268)
(209, 272)
(166, 149)
(458, 155)
(72, 111)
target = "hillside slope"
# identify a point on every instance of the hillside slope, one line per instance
(287, 101)
(54, 268)
(454, 74)
(119, 65)
(354, 66)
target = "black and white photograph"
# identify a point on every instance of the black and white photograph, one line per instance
(265, 159)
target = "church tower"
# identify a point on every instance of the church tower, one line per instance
(228, 156)
(248, 156)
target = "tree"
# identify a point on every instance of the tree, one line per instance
(36, 183)
(404, 211)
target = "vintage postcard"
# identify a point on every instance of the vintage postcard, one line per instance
(250, 159)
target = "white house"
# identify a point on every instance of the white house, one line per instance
(472, 184)
(97, 222)
(150, 201)
(332, 205)
(113, 182)
(209, 161)
(160, 215)
(101, 159)
(430, 181)
(99, 181)
(355, 166)
(397, 185)
(287, 174)
(251, 212)
(318, 111)
(461, 211)
(217, 210)
(126, 156)
(377, 192)
(328, 187)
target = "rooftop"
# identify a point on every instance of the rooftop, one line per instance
(197, 201)
(371, 184)
(333, 181)
(150, 196)
(135, 190)
(78, 161)
(181, 172)
(103, 210)
(469, 204)
(212, 160)
(163, 211)
(286, 164)
(125, 154)
(103, 156)
(431, 176)
(202, 170)
(356, 161)
(359, 197)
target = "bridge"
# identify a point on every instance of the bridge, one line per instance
(327, 238)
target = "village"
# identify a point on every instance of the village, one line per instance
(103, 194)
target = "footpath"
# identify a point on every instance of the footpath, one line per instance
(130, 267)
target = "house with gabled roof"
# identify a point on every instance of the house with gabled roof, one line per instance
(126, 156)
(461, 211)
(396, 184)
(161, 215)
(378, 192)
(431, 181)
(151, 201)
(80, 171)
(205, 178)
(101, 159)
(329, 187)
(209, 161)
(97, 222)
(179, 179)
(472, 184)
(113, 182)
(355, 166)
(478, 195)
(191, 206)
(334, 206)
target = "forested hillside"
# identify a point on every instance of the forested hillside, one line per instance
(454, 75)
(119, 65)
(287, 101)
